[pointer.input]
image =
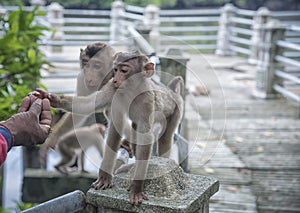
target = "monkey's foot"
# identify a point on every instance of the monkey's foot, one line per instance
(136, 192)
(137, 198)
(104, 181)
(62, 170)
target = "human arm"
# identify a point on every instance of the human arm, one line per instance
(29, 127)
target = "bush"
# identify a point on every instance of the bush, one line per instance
(20, 58)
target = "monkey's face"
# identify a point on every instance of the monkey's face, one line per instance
(95, 73)
(122, 72)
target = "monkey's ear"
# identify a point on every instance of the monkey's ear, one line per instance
(81, 49)
(149, 68)
(117, 55)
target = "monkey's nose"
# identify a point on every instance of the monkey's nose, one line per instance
(116, 84)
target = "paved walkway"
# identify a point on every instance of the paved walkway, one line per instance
(251, 145)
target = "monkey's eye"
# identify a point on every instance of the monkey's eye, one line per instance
(124, 71)
(115, 70)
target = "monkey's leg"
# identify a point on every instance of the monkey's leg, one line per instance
(67, 158)
(81, 162)
(60, 128)
(143, 139)
(165, 142)
(136, 187)
(105, 172)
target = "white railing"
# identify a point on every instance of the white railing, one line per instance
(189, 29)
(289, 72)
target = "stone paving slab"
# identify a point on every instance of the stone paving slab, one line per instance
(262, 134)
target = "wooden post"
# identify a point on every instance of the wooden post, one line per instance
(261, 18)
(116, 30)
(151, 20)
(225, 32)
(55, 16)
(266, 64)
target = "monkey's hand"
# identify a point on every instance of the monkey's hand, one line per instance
(136, 192)
(104, 181)
(54, 99)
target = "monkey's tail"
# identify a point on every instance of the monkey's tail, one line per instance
(177, 85)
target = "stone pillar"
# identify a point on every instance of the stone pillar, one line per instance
(55, 16)
(266, 64)
(173, 62)
(261, 18)
(151, 20)
(116, 29)
(168, 188)
(225, 32)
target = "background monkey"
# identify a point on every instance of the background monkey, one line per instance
(131, 94)
(95, 63)
(72, 145)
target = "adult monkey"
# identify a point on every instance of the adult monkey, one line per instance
(95, 62)
(131, 94)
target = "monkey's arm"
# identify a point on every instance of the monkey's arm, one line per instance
(83, 105)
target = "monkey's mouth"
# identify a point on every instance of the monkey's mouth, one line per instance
(92, 87)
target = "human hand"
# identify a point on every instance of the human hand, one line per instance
(53, 98)
(32, 124)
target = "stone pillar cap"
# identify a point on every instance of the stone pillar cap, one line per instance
(168, 188)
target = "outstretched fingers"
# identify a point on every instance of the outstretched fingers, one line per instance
(101, 184)
(137, 198)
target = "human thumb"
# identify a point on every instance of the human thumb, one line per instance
(36, 107)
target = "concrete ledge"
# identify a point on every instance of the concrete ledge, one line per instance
(40, 185)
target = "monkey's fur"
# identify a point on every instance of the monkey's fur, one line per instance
(131, 94)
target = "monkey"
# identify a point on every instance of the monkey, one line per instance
(130, 94)
(72, 144)
(95, 63)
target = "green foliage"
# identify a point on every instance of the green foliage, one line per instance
(20, 58)
(19, 207)
(4, 210)
(24, 206)
(144, 3)
(89, 4)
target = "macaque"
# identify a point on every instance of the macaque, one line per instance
(95, 63)
(73, 144)
(131, 94)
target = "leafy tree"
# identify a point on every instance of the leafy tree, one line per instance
(20, 58)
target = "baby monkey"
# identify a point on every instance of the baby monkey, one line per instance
(75, 143)
(131, 95)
